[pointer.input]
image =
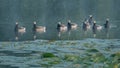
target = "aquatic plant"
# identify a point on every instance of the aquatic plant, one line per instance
(48, 55)
(69, 57)
(115, 58)
(98, 57)
(117, 54)
(71, 43)
(48, 62)
(89, 45)
(92, 50)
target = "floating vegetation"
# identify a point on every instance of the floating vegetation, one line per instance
(71, 57)
(51, 41)
(48, 55)
(89, 45)
(111, 65)
(49, 61)
(71, 43)
(115, 58)
(92, 50)
(76, 66)
(117, 54)
(98, 57)
(86, 44)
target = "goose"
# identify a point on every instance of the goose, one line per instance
(61, 27)
(86, 25)
(107, 25)
(19, 29)
(90, 20)
(38, 28)
(71, 25)
(96, 27)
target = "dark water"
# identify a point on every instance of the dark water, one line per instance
(49, 12)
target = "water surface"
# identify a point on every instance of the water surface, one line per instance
(48, 13)
(87, 53)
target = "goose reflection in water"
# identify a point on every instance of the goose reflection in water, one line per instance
(35, 34)
(19, 30)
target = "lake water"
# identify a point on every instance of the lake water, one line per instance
(49, 13)
(87, 53)
(51, 49)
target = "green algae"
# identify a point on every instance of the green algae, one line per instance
(48, 55)
(117, 54)
(92, 50)
(47, 62)
(115, 58)
(98, 57)
(71, 43)
(71, 57)
(89, 45)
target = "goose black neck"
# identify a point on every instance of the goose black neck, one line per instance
(107, 22)
(34, 25)
(16, 27)
(58, 26)
(94, 26)
(69, 24)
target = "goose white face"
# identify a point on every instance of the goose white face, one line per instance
(69, 20)
(59, 22)
(94, 21)
(90, 15)
(34, 22)
(107, 19)
(16, 23)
